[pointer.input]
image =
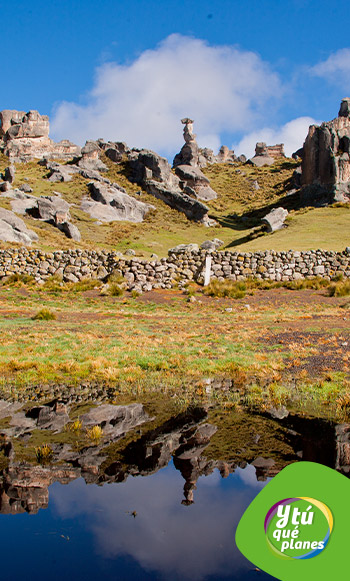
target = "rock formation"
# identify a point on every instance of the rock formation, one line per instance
(90, 157)
(52, 209)
(153, 173)
(13, 229)
(274, 220)
(266, 154)
(110, 202)
(195, 183)
(189, 154)
(325, 177)
(25, 136)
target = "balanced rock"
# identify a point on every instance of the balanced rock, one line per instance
(189, 154)
(325, 176)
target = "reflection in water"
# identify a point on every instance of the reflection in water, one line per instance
(153, 498)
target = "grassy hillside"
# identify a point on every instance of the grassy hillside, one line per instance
(239, 208)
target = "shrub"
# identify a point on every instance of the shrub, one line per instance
(226, 288)
(94, 433)
(339, 289)
(23, 278)
(115, 290)
(44, 315)
(43, 453)
(74, 426)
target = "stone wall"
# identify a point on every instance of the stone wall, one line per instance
(73, 265)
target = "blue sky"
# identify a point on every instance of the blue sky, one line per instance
(128, 70)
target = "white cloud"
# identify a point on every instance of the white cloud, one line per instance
(179, 542)
(224, 88)
(336, 69)
(292, 134)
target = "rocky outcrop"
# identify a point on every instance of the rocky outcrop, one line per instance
(59, 172)
(25, 136)
(266, 154)
(195, 183)
(274, 220)
(325, 177)
(111, 203)
(52, 209)
(154, 174)
(13, 229)
(90, 157)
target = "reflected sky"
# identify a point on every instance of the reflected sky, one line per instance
(137, 529)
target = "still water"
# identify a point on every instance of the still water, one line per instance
(137, 529)
(156, 495)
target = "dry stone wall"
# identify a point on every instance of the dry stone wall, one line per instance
(73, 265)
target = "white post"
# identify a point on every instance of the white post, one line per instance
(207, 270)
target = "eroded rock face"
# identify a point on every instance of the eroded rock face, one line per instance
(25, 136)
(266, 154)
(111, 203)
(325, 174)
(90, 157)
(195, 183)
(153, 173)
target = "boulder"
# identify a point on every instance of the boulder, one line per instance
(154, 174)
(61, 173)
(22, 203)
(70, 230)
(146, 164)
(52, 208)
(114, 154)
(13, 229)
(175, 198)
(182, 248)
(274, 220)
(25, 188)
(211, 244)
(116, 204)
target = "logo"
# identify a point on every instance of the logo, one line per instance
(302, 513)
(298, 528)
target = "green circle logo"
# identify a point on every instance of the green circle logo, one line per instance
(298, 528)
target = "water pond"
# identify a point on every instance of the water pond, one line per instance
(146, 496)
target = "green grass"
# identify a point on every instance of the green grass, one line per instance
(238, 211)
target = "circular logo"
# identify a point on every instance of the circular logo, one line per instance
(298, 528)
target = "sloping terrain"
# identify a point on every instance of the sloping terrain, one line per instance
(245, 195)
